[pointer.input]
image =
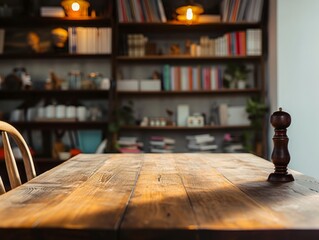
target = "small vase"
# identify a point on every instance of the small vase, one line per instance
(241, 84)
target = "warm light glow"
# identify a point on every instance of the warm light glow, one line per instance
(75, 6)
(189, 14)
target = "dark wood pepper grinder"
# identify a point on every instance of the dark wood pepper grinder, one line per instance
(280, 156)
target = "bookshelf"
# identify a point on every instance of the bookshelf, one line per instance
(41, 132)
(163, 35)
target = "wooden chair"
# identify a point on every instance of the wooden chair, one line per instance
(11, 165)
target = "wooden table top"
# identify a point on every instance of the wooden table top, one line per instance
(161, 196)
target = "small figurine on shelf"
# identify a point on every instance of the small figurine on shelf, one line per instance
(170, 121)
(144, 122)
(156, 75)
(188, 44)
(53, 82)
(174, 49)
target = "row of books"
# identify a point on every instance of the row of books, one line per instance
(254, 42)
(242, 43)
(230, 44)
(242, 10)
(90, 40)
(141, 11)
(192, 78)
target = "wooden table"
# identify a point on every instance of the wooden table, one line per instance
(161, 196)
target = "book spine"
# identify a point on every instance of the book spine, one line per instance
(190, 78)
(119, 11)
(166, 78)
(162, 11)
(123, 10)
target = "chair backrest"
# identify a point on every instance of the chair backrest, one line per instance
(11, 165)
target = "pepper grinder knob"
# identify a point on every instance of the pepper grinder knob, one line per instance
(280, 120)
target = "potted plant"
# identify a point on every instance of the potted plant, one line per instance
(123, 115)
(256, 113)
(236, 76)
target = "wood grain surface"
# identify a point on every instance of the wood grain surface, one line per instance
(161, 196)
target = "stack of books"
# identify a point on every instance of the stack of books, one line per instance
(129, 145)
(160, 144)
(201, 143)
(233, 143)
(136, 45)
(51, 11)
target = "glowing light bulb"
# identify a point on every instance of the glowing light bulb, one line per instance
(189, 14)
(75, 6)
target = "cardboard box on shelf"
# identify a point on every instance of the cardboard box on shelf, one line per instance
(128, 85)
(150, 85)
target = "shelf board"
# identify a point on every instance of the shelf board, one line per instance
(178, 128)
(65, 125)
(44, 22)
(173, 58)
(202, 93)
(170, 26)
(60, 94)
(53, 56)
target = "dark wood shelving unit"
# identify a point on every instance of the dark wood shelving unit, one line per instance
(200, 93)
(58, 94)
(161, 33)
(62, 124)
(170, 26)
(116, 59)
(29, 97)
(45, 22)
(187, 58)
(44, 56)
(48, 129)
(178, 128)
